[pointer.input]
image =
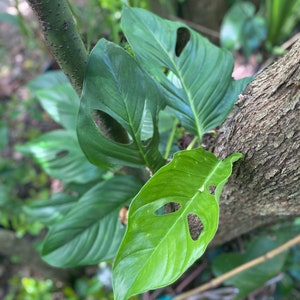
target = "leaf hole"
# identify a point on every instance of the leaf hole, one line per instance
(165, 70)
(109, 127)
(62, 153)
(123, 215)
(173, 78)
(168, 208)
(182, 38)
(195, 226)
(212, 189)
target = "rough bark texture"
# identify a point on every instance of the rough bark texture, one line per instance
(265, 127)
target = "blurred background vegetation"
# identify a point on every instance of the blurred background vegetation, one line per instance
(257, 32)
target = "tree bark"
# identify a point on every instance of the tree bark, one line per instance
(265, 127)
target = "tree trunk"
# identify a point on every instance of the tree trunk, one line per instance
(265, 127)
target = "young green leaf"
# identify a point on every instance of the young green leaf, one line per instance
(91, 232)
(195, 74)
(159, 246)
(115, 85)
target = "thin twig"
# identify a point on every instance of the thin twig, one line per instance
(215, 282)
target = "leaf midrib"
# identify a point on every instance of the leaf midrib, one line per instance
(190, 98)
(183, 213)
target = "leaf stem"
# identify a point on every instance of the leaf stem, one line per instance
(192, 143)
(170, 140)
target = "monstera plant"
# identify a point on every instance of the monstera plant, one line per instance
(165, 82)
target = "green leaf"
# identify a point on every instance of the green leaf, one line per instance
(195, 75)
(10, 19)
(48, 80)
(57, 98)
(91, 232)
(50, 211)
(5, 197)
(281, 16)
(115, 85)
(62, 103)
(4, 136)
(60, 156)
(242, 28)
(158, 246)
(233, 22)
(254, 32)
(255, 277)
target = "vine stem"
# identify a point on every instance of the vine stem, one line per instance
(170, 140)
(215, 282)
(192, 143)
(62, 38)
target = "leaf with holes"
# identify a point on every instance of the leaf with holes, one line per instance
(159, 246)
(60, 156)
(91, 232)
(195, 74)
(115, 85)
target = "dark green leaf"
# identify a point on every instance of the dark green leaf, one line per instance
(4, 136)
(48, 80)
(91, 231)
(61, 103)
(233, 22)
(242, 28)
(158, 246)
(59, 154)
(254, 31)
(50, 211)
(115, 85)
(195, 74)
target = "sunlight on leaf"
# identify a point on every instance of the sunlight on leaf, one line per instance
(158, 247)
